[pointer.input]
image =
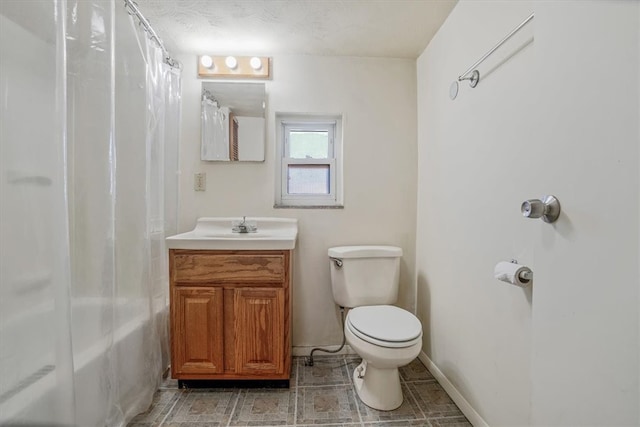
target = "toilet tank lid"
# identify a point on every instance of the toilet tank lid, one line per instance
(365, 251)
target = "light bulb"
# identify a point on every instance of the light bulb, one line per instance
(231, 62)
(206, 61)
(256, 63)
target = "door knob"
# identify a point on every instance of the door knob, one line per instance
(548, 208)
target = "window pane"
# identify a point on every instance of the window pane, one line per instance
(308, 144)
(308, 179)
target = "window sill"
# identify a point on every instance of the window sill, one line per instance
(308, 206)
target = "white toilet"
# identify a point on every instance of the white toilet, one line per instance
(365, 279)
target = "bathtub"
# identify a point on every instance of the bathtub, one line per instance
(41, 391)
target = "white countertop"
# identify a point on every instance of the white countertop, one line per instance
(216, 234)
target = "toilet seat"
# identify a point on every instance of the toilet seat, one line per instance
(385, 325)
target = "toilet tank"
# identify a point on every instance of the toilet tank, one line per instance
(364, 275)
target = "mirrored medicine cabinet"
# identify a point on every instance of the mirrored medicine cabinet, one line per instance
(233, 121)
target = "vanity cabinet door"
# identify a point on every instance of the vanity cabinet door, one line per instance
(259, 330)
(197, 330)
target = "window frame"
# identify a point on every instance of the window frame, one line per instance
(285, 123)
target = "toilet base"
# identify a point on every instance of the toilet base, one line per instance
(378, 388)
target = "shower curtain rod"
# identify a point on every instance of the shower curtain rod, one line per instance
(147, 27)
(208, 95)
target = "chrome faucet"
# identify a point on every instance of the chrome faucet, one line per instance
(243, 226)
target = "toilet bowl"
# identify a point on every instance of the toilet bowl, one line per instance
(386, 337)
(366, 280)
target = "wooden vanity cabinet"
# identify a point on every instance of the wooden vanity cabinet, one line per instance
(230, 314)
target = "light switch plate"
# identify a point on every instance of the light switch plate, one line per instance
(200, 181)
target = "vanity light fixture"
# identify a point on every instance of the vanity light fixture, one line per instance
(206, 61)
(231, 62)
(234, 67)
(256, 63)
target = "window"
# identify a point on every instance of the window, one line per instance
(309, 161)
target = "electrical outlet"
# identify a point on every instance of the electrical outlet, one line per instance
(200, 181)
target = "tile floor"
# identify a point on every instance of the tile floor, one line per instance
(320, 395)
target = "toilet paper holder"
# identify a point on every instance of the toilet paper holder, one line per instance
(526, 275)
(513, 273)
(548, 208)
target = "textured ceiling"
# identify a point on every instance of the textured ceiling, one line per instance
(378, 28)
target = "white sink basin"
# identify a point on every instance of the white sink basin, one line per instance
(215, 233)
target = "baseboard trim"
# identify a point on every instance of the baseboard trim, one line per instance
(306, 350)
(466, 408)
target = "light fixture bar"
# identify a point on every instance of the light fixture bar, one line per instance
(246, 67)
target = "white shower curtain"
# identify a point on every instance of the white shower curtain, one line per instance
(215, 131)
(88, 168)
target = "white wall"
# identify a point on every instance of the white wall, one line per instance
(378, 100)
(556, 112)
(477, 331)
(585, 311)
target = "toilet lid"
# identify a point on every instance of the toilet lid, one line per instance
(385, 323)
